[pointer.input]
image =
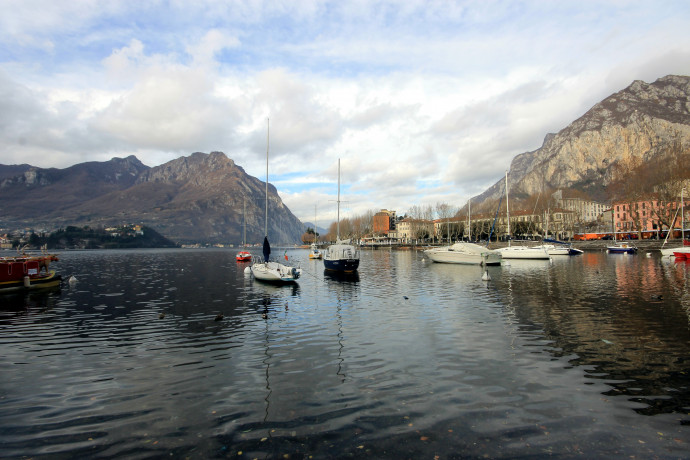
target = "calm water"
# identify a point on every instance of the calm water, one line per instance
(576, 358)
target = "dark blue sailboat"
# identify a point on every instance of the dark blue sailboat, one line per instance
(341, 256)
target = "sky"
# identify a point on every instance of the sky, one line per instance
(423, 102)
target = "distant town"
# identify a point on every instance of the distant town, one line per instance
(71, 237)
(570, 218)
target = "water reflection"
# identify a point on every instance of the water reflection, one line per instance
(405, 359)
(32, 302)
(618, 319)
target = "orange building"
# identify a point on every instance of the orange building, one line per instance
(383, 222)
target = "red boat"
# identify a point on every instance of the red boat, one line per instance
(27, 272)
(244, 256)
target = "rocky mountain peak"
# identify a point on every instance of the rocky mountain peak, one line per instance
(638, 123)
(198, 167)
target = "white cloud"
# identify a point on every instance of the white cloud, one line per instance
(424, 101)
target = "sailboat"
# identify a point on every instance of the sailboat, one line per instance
(266, 270)
(341, 256)
(520, 252)
(683, 251)
(555, 247)
(244, 255)
(314, 253)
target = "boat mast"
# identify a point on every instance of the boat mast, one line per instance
(682, 217)
(244, 234)
(469, 220)
(507, 208)
(314, 224)
(266, 219)
(338, 225)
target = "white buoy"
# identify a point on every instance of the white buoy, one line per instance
(247, 271)
(486, 276)
(72, 279)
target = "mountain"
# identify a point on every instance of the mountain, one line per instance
(642, 125)
(199, 198)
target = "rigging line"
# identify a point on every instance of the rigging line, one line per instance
(315, 277)
(500, 200)
(532, 225)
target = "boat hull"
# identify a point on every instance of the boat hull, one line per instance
(622, 249)
(50, 280)
(274, 272)
(523, 252)
(341, 265)
(464, 254)
(341, 258)
(243, 256)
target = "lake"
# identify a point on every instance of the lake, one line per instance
(580, 357)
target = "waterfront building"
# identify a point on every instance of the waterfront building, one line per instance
(649, 216)
(585, 210)
(383, 222)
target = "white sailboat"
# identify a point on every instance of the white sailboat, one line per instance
(341, 256)
(520, 252)
(314, 253)
(555, 247)
(669, 252)
(266, 270)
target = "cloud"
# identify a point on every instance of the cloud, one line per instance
(424, 101)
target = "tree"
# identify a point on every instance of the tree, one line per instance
(444, 212)
(630, 185)
(309, 236)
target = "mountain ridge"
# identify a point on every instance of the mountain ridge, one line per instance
(644, 121)
(199, 198)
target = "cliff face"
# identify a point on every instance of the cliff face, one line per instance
(200, 198)
(640, 122)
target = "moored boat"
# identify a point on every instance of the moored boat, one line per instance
(314, 252)
(622, 248)
(464, 253)
(243, 256)
(264, 269)
(23, 272)
(559, 248)
(519, 252)
(341, 256)
(524, 252)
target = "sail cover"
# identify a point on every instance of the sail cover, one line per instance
(267, 249)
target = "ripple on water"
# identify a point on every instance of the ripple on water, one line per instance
(408, 360)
